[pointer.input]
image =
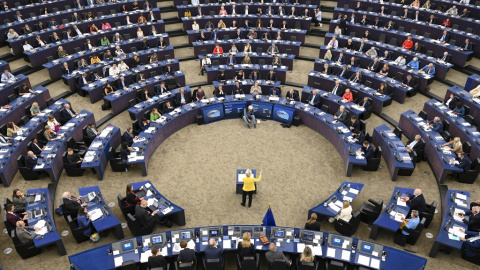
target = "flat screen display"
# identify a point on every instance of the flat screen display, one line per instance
(185, 235)
(367, 248)
(308, 236)
(213, 233)
(157, 240)
(127, 246)
(279, 233)
(337, 241)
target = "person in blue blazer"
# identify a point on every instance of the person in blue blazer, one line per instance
(428, 69)
(313, 99)
(463, 162)
(274, 92)
(83, 220)
(231, 60)
(414, 63)
(472, 241)
(213, 251)
(436, 124)
(341, 59)
(215, 35)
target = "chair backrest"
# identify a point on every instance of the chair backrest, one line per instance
(423, 115)
(306, 266)
(446, 125)
(213, 264)
(248, 263)
(129, 265)
(278, 264)
(186, 266)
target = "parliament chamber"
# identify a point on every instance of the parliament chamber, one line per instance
(352, 126)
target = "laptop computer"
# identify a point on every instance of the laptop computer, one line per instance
(90, 196)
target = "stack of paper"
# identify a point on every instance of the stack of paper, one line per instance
(331, 252)
(363, 260)
(95, 214)
(334, 207)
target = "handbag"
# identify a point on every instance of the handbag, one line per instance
(95, 238)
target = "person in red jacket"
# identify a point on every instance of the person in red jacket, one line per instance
(348, 96)
(217, 49)
(408, 43)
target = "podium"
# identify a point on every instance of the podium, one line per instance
(240, 176)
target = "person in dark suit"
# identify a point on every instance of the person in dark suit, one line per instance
(358, 136)
(141, 77)
(245, 248)
(30, 160)
(466, 46)
(312, 223)
(445, 37)
(144, 217)
(168, 71)
(36, 147)
(271, 76)
(218, 92)
(356, 77)
(314, 98)
(436, 124)
(364, 103)
(416, 201)
(183, 97)
(415, 145)
(292, 95)
(377, 23)
(470, 241)
(71, 203)
(40, 26)
(167, 107)
(274, 255)
(82, 80)
(186, 255)
(274, 92)
(73, 158)
(237, 89)
(121, 83)
(124, 152)
(473, 220)
(367, 150)
(450, 101)
(463, 162)
(129, 137)
(68, 113)
(156, 260)
(160, 88)
(445, 57)
(326, 69)
(337, 89)
(353, 123)
(341, 114)
(84, 220)
(408, 81)
(431, 20)
(213, 251)
(65, 69)
(340, 59)
(143, 125)
(343, 72)
(145, 95)
(13, 217)
(374, 65)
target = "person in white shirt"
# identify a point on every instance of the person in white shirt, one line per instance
(114, 70)
(77, 31)
(195, 25)
(452, 11)
(400, 60)
(205, 62)
(27, 47)
(345, 214)
(122, 66)
(7, 77)
(246, 10)
(333, 43)
(119, 52)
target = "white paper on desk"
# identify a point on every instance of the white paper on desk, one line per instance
(317, 250)
(460, 203)
(363, 260)
(345, 244)
(204, 243)
(289, 233)
(164, 251)
(331, 252)
(166, 210)
(89, 158)
(300, 247)
(339, 203)
(149, 193)
(95, 214)
(40, 166)
(119, 261)
(393, 213)
(259, 247)
(456, 231)
(252, 241)
(399, 216)
(318, 236)
(334, 207)
(144, 256)
(400, 202)
(375, 263)
(241, 176)
(38, 197)
(453, 237)
(345, 192)
(227, 243)
(346, 255)
(176, 247)
(461, 196)
(191, 244)
(352, 190)
(346, 198)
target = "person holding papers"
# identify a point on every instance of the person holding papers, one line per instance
(145, 217)
(473, 221)
(273, 255)
(345, 214)
(7, 77)
(454, 145)
(156, 260)
(213, 251)
(416, 201)
(436, 124)
(415, 145)
(249, 183)
(463, 162)
(23, 232)
(245, 247)
(84, 220)
(187, 255)
(408, 226)
(367, 150)
(471, 240)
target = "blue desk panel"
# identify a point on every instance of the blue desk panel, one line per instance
(212, 113)
(348, 189)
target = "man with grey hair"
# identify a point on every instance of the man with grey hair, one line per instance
(68, 113)
(341, 114)
(213, 251)
(71, 203)
(372, 52)
(409, 226)
(473, 220)
(23, 232)
(272, 255)
(416, 201)
(249, 117)
(416, 146)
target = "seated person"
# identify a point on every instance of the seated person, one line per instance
(218, 92)
(130, 197)
(91, 130)
(71, 203)
(74, 158)
(428, 69)
(343, 73)
(167, 107)
(68, 113)
(30, 160)
(408, 81)
(274, 92)
(414, 63)
(408, 226)
(416, 201)
(347, 96)
(12, 129)
(415, 145)
(345, 214)
(341, 114)
(183, 97)
(314, 98)
(312, 223)
(144, 216)
(364, 103)
(274, 255)
(36, 147)
(436, 124)
(186, 255)
(156, 260)
(358, 136)
(12, 217)
(454, 145)
(145, 95)
(245, 248)
(155, 115)
(143, 125)
(24, 233)
(19, 201)
(463, 163)
(471, 240)
(459, 109)
(213, 251)
(292, 95)
(84, 220)
(473, 220)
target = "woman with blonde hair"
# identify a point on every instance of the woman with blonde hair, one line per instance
(307, 255)
(454, 145)
(11, 129)
(247, 48)
(345, 214)
(35, 109)
(328, 55)
(221, 24)
(245, 247)
(246, 59)
(52, 122)
(49, 134)
(249, 186)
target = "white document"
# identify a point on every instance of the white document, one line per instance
(191, 244)
(331, 252)
(241, 176)
(300, 247)
(334, 207)
(400, 202)
(346, 198)
(38, 197)
(399, 216)
(461, 196)
(363, 260)
(95, 214)
(317, 250)
(227, 243)
(289, 233)
(339, 203)
(149, 193)
(176, 247)
(375, 263)
(144, 256)
(118, 261)
(346, 255)
(259, 247)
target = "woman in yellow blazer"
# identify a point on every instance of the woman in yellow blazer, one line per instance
(249, 186)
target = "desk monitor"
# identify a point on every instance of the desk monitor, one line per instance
(370, 248)
(307, 236)
(127, 246)
(245, 229)
(337, 241)
(279, 233)
(185, 235)
(157, 240)
(214, 233)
